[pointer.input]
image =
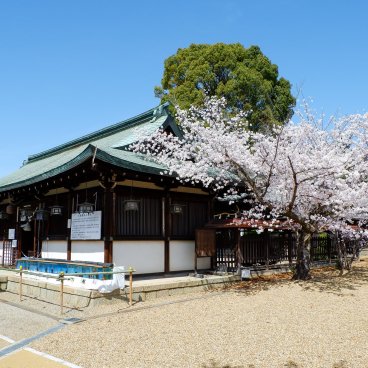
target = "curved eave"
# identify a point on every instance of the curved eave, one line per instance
(89, 153)
(76, 161)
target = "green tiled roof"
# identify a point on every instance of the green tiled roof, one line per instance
(106, 145)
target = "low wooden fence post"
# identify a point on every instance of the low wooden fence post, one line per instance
(20, 283)
(130, 286)
(61, 277)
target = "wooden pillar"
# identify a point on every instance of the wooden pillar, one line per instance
(267, 239)
(18, 234)
(3, 248)
(210, 213)
(238, 255)
(69, 229)
(35, 239)
(210, 207)
(167, 229)
(109, 203)
(290, 247)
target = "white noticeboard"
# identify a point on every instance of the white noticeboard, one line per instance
(86, 226)
(11, 234)
(245, 273)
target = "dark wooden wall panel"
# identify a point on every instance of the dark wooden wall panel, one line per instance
(147, 221)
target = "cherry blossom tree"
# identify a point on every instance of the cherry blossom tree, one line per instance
(314, 176)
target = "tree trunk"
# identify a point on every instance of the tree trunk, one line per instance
(303, 256)
(345, 262)
(341, 253)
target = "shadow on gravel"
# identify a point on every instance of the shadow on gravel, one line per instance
(288, 364)
(261, 283)
(324, 279)
(330, 280)
(214, 364)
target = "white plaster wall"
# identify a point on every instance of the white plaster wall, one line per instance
(182, 255)
(56, 249)
(88, 250)
(146, 256)
(203, 263)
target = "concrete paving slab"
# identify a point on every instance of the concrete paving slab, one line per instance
(30, 358)
(19, 328)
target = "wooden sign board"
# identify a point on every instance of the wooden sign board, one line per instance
(205, 242)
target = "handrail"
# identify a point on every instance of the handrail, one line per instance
(35, 273)
(96, 273)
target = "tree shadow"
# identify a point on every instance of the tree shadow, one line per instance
(330, 280)
(261, 283)
(213, 364)
(327, 279)
(288, 364)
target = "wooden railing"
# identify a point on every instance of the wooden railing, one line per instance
(272, 248)
(9, 253)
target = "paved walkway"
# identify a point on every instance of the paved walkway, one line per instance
(18, 328)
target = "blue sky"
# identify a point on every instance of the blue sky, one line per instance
(71, 67)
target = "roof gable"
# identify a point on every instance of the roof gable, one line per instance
(107, 144)
(126, 132)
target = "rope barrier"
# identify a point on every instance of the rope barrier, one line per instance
(62, 277)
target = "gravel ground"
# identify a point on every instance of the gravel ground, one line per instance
(274, 323)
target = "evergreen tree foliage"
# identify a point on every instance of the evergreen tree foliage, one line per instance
(244, 76)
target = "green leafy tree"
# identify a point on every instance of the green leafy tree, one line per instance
(244, 76)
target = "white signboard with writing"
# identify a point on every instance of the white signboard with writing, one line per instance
(11, 234)
(245, 273)
(86, 226)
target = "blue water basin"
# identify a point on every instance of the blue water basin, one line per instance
(48, 265)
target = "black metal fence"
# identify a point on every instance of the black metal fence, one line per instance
(269, 248)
